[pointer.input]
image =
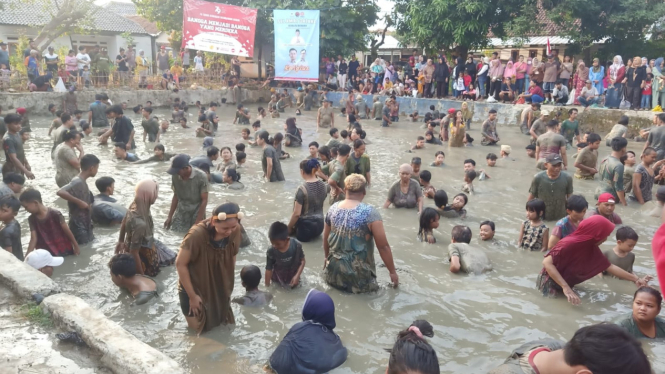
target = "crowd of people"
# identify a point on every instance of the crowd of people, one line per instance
(340, 172)
(637, 85)
(92, 66)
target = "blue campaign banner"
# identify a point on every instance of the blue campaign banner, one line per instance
(296, 45)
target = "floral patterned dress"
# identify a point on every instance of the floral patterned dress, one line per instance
(351, 265)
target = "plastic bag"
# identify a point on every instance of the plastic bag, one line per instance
(60, 86)
(571, 98)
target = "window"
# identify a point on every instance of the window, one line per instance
(533, 53)
(514, 54)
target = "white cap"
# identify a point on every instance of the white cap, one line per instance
(544, 112)
(41, 257)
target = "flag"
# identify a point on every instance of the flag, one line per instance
(549, 47)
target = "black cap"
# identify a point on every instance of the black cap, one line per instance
(179, 162)
(553, 158)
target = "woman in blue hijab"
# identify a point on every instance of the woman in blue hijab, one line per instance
(208, 142)
(311, 346)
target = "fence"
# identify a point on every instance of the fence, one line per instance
(209, 79)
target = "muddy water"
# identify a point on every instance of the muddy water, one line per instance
(478, 320)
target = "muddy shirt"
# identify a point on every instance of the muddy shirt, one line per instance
(80, 220)
(338, 174)
(64, 171)
(569, 129)
(5, 190)
(625, 263)
(518, 361)
(98, 110)
(408, 199)
(122, 129)
(611, 177)
(188, 193)
(539, 127)
(628, 323)
(10, 237)
(359, 165)
(377, 107)
(472, 260)
(656, 138)
(553, 192)
(311, 196)
(326, 116)
(13, 144)
(269, 152)
(333, 143)
(254, 299)
(150, 127)
(284, 265)
(589, 158)
(107, 211)
(550, 143)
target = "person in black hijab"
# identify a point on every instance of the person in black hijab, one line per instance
(441, 74)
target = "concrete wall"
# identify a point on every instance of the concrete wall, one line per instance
(39, 101)
(593, 119)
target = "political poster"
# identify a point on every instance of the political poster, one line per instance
(219, 28)
(296, 45)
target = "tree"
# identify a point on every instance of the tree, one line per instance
(457, 25)
(64, 17)
(616, 23)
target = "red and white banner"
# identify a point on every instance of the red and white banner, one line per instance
(219, 28)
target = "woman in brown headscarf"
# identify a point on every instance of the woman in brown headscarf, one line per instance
(579, 80)
(136, 230)
(206, 264)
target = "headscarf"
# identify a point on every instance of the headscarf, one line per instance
(207, 141)
(311, 346)
(656, 65)
(509, 71)
(614, 68)
(535, 62)
(577, 256)
(645, 61)
(144, 196)
(582, 71)
(319, 308)
(596, 69)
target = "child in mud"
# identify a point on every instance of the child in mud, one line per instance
(285, 259)
(250, 276)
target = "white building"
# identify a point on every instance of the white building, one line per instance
(25, 18)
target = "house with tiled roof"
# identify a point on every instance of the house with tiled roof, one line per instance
(532, 45)
(105, 29)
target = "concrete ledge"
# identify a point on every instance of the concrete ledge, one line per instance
(121, 351)
(37, 102)
(22, 279)
(593, 119)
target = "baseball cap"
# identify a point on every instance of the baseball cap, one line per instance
(553, 159)
(41, 257)
(544, 112)
(606, 198)
(179, 162)
(451, 110)
(20, 111)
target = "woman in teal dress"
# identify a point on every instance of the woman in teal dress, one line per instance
(596, 75)
(351, 230)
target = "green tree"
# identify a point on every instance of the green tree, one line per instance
(619, 24)
(453, 25)
(64, 17)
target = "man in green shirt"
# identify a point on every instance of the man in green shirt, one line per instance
(570, 128)
(150, 126)
(553, 187)
(338, 174)
(611, 172)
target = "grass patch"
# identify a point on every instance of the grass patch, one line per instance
(36, 315)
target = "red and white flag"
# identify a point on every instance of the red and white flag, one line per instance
(549, 47)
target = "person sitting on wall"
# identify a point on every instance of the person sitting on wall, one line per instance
(42, 83)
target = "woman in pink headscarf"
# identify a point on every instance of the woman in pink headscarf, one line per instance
(580, 78)
(577, 258)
